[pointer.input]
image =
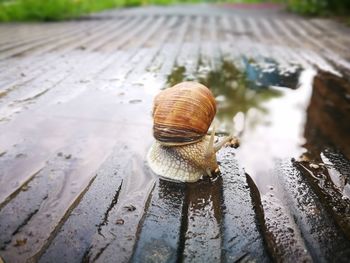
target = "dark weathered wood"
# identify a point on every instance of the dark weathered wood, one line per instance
(322, 184)
(74, 237)
(319, 230)
(212, 220)
(119, 234)
(201, 232)
(159, 239)
(241, 237)
(282, 236)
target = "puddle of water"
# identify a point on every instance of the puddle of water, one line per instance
(268, 108)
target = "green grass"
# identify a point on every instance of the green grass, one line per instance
(47, 10)
(335, 9)
(50, 10)
(320, 7)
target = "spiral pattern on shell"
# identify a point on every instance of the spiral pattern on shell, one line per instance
(183, 113)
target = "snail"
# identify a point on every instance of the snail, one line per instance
(182, 150)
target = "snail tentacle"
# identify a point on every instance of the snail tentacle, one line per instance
(211, 149)
(221, 143)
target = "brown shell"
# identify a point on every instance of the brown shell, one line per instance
(183, 113)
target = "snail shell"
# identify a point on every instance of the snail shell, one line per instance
(182, 116)
(183, 113)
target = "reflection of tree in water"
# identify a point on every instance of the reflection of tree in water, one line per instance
(234, 91)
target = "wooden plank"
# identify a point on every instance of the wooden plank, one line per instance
(119, 239)
(328, 192)
(211, 220)
(159, 238)
(43, 63)
(282, 236)
(37, 43)
(241, 238)
(74, 238)
(201, 230)
(319, 230)
(81, 40)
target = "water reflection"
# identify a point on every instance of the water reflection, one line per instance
(236, 94)
(261, 103)
(238, 90)
(277, 112)
(268, 73)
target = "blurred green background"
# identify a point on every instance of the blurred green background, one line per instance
(50, 10)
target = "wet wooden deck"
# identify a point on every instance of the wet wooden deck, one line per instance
(75, 126)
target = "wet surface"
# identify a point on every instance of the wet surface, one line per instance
(202, 227)
(330, 194)
(254, 99)
(183, 220)
(323, 238)
(298, 113)
(74, 238)
(241, 237)
(282, 236)
(160, 233)
(75, 127)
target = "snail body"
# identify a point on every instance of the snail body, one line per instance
(182, 116)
